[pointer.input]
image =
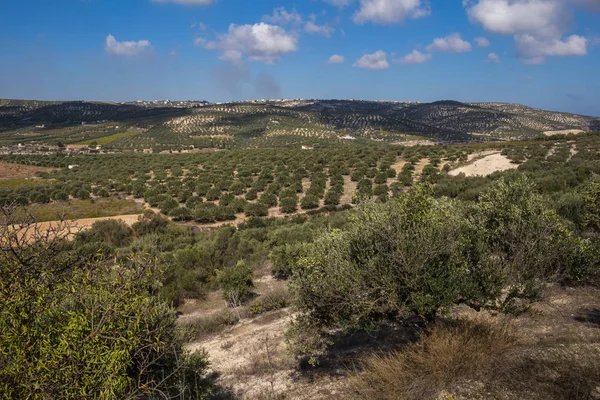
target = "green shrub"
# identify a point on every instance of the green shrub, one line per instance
(251, 194)
(180, 214)
(236, 283)
(269, 302)
(257, 210)
(206, 326)
(112, 231)
(90, 330)
(288, 205)
(309, 202)
(416, 255)
(284, 259)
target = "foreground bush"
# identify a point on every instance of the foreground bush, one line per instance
(448, 357)
(79, 330)
(418, 256)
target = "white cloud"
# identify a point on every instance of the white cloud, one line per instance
(538, 26)
(282, 17)
(542, 17)
(452, 43)
(493, 58)
(375, 61)
(338, 3)
(482, 42)
(531, 46)
(259, 42)
(336, 59)
(312, 27)
(112, 46)
(415, 57)
(390, 11)
(186, 2)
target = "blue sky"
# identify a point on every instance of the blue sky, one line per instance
(543, 53)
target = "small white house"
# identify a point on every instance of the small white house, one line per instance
(73, 166)
(306, 147)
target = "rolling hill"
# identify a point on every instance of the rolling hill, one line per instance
(277, 122)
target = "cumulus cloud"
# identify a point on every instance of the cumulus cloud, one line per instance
(415, 57)
(282, 17)
(312, 27)
(336, 59)
(391, 11)
(493, 58)
(543, 17)
(452, 43)
(186, 2)
(482, 42)
(538, 26)
(260, 42)
(532, 46)
(375, 61)
(112, 46)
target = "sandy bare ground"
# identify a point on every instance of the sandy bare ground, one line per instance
(397, 166)
(18, 171)
(485, 166)
(74, 226)
(252, 360)
(349, 190)
(564, 132)
(419, 167)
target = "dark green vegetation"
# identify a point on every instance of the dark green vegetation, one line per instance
(272, 123)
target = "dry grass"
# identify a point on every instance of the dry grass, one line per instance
(19, 171)
(204, 327)
(464, 351)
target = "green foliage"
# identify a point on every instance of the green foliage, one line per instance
(591, 199)
(236, 283)
(416, 255)
(309, 202)
(284, 259)
(269, 302)
(257, 210)
(75, 330)
(113, 232)
(288, 205)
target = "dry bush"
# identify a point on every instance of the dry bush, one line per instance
(463, 351)
(209, 325)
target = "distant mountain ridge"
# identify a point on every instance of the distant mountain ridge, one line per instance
(445, 121)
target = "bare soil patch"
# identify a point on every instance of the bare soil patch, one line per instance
(485, 166)
(18, 171)
(564, 132)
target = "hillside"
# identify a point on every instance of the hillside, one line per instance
(275, 123)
